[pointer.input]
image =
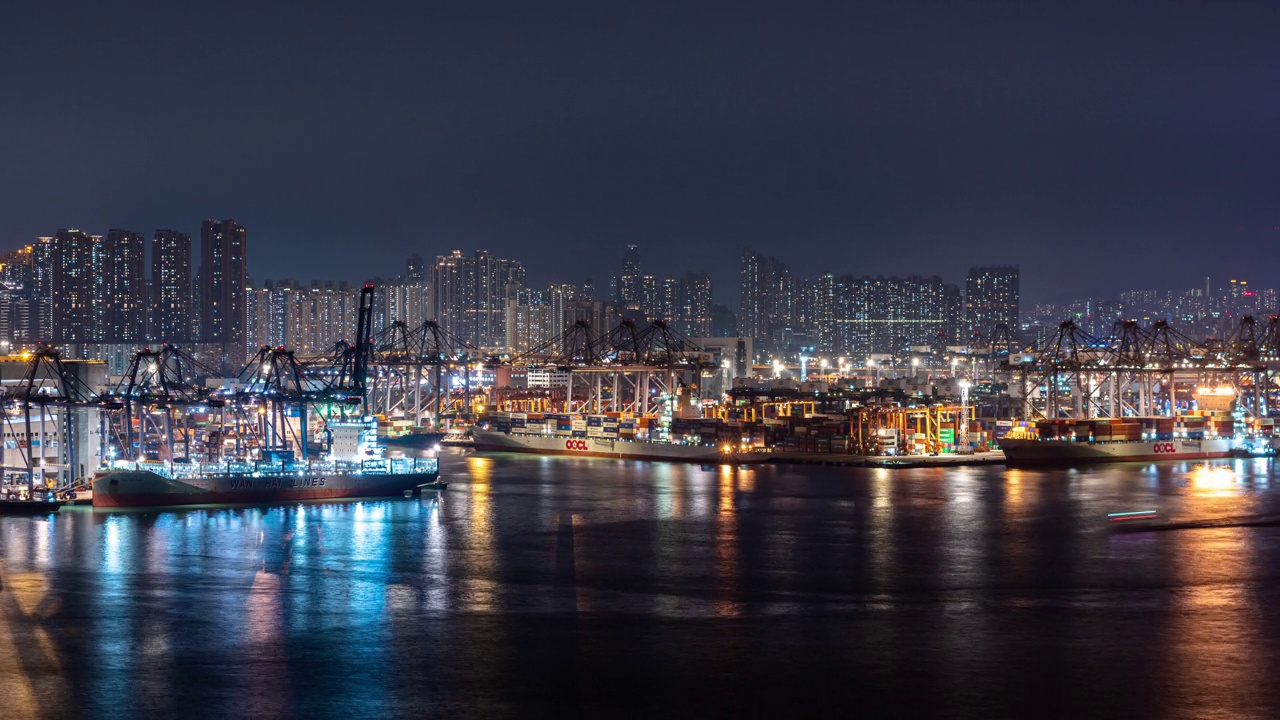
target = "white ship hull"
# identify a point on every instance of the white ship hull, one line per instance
(1066, 452)
(610, 448)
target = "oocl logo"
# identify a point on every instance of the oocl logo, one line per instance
(575, 444)
(1164, 448)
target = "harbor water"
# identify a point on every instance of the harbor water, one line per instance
(559, 586)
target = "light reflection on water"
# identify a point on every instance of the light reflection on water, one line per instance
(727, 570)
(536, 576)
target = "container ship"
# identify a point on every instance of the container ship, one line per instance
(614, 435)
(354, 468)
(1133, 439)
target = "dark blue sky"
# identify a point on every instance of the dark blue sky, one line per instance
(1100, 145)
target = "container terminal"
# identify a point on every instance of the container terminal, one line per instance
(635, 391)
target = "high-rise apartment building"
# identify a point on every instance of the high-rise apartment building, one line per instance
(563, 298)
(862, 316)
(530, 320)
(78, 287)
(15, 266)
(602, 316)
(308, 319)
(991, 298)
(696, 315)
(415, 269)
(628, 285)
(223, 274)
(497, 282)
(408, 298)
(403, 299)
(768, 299)
(453, 289)
(650, 304)
(953, 330)
(125, 278)
(724, 323)
(19, 308)
(471, 295)
(171, 260)
(255, 303)
(684, 304)
(15, 315)
(42, 269)
(668, 306)
(322, 313)
(274, 314)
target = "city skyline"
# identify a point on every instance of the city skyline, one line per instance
(760, 128)
(91, 291)
(604, 270)
(600, 270)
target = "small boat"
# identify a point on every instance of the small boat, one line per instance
(426, 487)
(30, 507)
(892, 463)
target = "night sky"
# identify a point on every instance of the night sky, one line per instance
(1101, 147)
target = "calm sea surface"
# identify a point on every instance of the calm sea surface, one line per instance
(539, 586)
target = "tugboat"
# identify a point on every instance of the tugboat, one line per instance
(21, 502)
(30, 507)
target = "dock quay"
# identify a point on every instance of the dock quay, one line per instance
(889, 462)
